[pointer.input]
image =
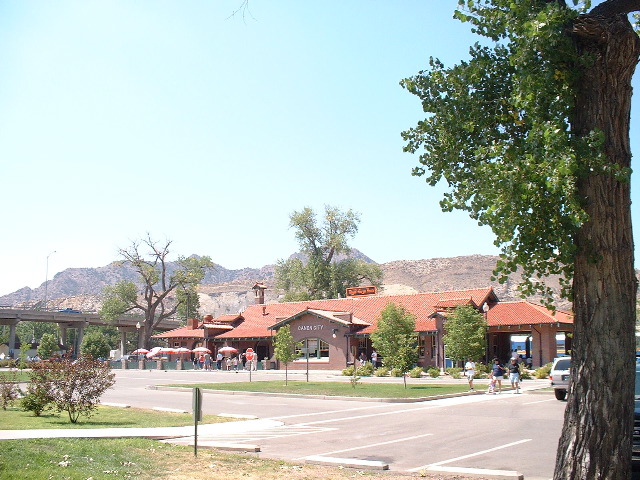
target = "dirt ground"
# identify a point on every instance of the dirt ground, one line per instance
(213, 464)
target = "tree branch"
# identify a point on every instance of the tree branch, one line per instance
(611, 8)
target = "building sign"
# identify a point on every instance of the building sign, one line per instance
(310, 327)
(361, 291)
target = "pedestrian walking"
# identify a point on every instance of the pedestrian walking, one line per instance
(374, 359)
(497, 371)
(514, 374)
(470, 371)
(219, 358)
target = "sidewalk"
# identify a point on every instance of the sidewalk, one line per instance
(205, 431)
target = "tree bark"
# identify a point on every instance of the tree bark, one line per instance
(598, 425)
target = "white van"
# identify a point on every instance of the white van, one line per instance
(559, 376)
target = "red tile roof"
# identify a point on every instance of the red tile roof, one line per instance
(258, 318)
(525, 313)
(182, 332)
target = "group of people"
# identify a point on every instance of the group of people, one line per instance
(235, 362)
(362, 358)
(498, 372)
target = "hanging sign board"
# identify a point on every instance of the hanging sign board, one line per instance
(362, 291)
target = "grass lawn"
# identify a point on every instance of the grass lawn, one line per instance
(142, 459)
(18, 375)
(105, 417)
(344, 389)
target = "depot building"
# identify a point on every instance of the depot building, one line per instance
(335, 331)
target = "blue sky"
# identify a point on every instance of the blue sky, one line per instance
(179, 119)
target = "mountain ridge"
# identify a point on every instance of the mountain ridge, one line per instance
(226, 291)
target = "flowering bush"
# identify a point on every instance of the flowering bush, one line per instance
(72, 387)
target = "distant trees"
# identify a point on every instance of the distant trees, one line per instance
(95, 345)
(395, 339)
(157, 282)
(466, 333)
(322, 274)
(48, 346)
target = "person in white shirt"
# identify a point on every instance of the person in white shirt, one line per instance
(470, 371)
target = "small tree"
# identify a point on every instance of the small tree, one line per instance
(95, 345)
(395, 339)
(9, 389)
(73, 387)
(284, 348)
(466, 334)
(48, 346)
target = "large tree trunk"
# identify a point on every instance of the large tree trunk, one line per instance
(598, 423)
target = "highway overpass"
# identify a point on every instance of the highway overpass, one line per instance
(75, 319)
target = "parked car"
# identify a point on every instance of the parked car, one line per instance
(559, 376)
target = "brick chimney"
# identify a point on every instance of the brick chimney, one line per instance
(259, 289)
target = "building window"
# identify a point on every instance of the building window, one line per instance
(313, 349)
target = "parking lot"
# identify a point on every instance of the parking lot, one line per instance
(503, 433)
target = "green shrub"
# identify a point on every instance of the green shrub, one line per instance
(365, 370)
(381, 372)
(524, 373)
(454, 372)
(434, 372)
(542, 372)
(396, 372)
(8, 363)
(416, 372)
(37, 400)
(482, 369)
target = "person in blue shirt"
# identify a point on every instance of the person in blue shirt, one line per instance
(497, 371)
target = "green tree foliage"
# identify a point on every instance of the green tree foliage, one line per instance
(326, 271)
(72, 387)
(48, 346)
(284, 348)
(157, 283)
(466, 334)
(531, 134)
(188, 302)
(95, 345)
(27, 331)
(395, 339)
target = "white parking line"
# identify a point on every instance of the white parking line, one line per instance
(329, 412)
(371, 445)
(451, 460)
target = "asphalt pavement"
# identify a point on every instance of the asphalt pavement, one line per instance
(233, 435)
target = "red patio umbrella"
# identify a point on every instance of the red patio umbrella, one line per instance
(201, 350)
(224, 350)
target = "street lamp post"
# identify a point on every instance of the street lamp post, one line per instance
(46, 281)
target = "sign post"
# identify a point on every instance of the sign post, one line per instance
(197, 417)
(250, 356)
(305, 352)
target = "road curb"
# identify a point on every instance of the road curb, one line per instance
(347, 462)
(317, 397)
(478, 472)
